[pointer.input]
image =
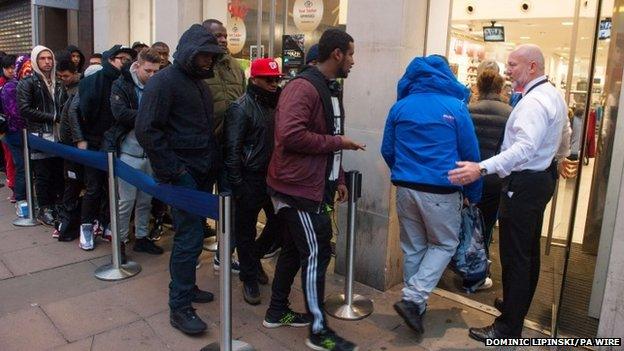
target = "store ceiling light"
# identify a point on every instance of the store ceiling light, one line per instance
(567, 23)
(525, 38)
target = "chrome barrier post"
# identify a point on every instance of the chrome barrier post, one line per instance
(116, 270)
(225, 285)
(212, 243)
(30, 221)
(350, 306)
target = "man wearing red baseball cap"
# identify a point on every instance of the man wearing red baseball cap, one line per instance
(248, 144)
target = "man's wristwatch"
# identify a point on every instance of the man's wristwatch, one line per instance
(483, 171)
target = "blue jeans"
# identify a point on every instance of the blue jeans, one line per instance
(429, 232)
(14, 141)
(187, 245)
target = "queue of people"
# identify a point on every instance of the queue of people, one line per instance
(197, 122)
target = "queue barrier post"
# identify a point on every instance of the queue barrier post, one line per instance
(225, 285)
(116, 270)
(29, 221)
(350, 306)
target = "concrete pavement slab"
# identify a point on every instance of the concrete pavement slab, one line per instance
(89, 314)
(80, 345)
(137, 336)
(48, 286)
(56, 254)
(28, 329)
(4, 272)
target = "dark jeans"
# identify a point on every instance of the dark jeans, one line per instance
(253, 198)
(187, 245)
(14, 140)
(306, 244)
(523, 199)
(48, 174)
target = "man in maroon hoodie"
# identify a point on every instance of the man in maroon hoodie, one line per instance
(304, 175)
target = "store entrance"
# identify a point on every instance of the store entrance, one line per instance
(576, 39)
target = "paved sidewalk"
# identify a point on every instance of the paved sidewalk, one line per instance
(49, 299)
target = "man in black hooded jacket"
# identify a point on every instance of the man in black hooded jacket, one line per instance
(174, 127)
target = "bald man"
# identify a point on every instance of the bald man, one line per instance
(536, 136)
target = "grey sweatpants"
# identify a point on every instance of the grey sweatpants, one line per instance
(429, 231)
(131, 198)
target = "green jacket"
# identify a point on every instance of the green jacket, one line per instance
(227, 85)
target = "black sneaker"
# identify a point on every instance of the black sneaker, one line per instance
(201, 296)
(263, 278)
(186, 320)
(146, 245)
(410, 312)
(251, 293)
(289, 318)
(328, 340)
(273, 250)
(46, 217)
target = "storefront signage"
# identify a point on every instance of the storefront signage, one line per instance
(494, 33)
(237, 32)
(292, 54)
(604, 32)
(307, 14)
(60, 4)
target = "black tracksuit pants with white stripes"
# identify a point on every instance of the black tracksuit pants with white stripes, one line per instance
(306, 245)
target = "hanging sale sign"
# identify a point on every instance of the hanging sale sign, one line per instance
(307, 14)
(237, 32)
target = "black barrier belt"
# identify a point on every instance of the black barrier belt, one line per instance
(193, 201)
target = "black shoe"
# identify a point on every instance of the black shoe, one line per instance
(263, 278)
(186, 320)
(273, 250)
(289, 318)
(410, 312)
(251, 293)
(201, 296)
(145, 245)
(498, 304)
(46, 216)
(489, 332)
(328, 340)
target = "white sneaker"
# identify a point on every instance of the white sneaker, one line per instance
(487, 283)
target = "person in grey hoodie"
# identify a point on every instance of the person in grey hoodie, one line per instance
(126, 94)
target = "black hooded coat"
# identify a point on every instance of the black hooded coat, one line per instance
(175, 117)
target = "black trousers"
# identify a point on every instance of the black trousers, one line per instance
(95, 200)
(490, 199)
(523, 199)
(72, 173)
(252, 199)
(48, 173)
(306, 244)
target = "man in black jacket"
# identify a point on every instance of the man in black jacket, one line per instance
(69, 134)
(248, 144)
(174, 127)
(125, 97)
(40, 98)
(97, 118)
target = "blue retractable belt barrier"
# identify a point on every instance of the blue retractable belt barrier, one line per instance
(193, 201)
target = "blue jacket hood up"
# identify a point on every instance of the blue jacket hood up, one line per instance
(431, 74)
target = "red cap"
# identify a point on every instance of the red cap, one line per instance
(265, 67)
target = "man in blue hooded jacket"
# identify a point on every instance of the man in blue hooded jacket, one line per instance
(428, 129)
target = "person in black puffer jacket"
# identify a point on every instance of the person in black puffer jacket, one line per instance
(174, 126)
(97, 118)
(248, 144)
(40, 98)
(489, 115)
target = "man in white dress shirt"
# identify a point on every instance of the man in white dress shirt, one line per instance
(536, 136)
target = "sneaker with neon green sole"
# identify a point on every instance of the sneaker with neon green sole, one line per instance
(289, 318)
(328, 340)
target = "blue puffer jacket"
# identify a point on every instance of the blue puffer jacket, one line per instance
(429, 128)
